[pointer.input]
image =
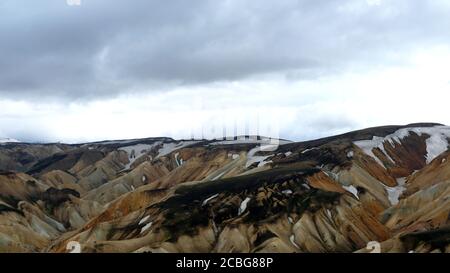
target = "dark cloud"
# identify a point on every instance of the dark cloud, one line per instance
(105, 47)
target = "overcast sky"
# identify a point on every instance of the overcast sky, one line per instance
(295, 69)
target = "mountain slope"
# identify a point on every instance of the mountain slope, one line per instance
(388, 184)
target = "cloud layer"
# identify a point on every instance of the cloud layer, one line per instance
(293, 56)
(102, 48)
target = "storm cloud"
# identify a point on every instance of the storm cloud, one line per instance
(141, 68)
(104, 48)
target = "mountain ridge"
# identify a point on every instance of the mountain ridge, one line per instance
(336, 194)
(132, 140)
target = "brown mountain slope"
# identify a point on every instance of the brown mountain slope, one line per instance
(386, 184)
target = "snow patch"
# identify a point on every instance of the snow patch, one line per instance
(263, 163)
(436, 144)
(352, 190)
(394, 193)
(147, 226)
(243, 206)
(252, 158)
(178, 161)
(292, 239)
(368, 145)
(350, 154)
(168, 148)
(136, 151)
(310, 149)
(209, 199)
(143, 220)
(233, 156)
(219, 176)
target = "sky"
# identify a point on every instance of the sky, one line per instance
(293, 69)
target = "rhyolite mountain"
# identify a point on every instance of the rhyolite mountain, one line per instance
(387, 184)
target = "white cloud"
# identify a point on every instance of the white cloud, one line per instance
(303, 68)
(373, 2)
(300, 109)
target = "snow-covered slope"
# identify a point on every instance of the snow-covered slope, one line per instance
(136, 151)
(436, 143)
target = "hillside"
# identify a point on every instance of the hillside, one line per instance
(387, 184)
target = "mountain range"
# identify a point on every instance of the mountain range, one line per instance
(386, 185)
